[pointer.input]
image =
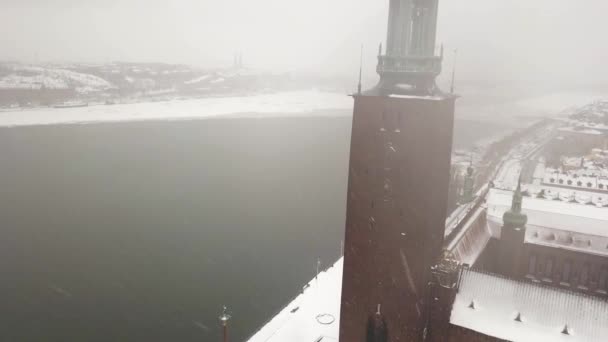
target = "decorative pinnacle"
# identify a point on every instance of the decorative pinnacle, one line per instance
(517, 198)
(224, 317)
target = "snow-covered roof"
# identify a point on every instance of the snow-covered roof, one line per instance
(313, 316)
(580, 130)
(198, 79)
(468, 245)
(545, 313)
(588, 178)
(556, 214)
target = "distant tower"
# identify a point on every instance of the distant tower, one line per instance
(238, 60)
(398, 182)
(469, 184)
(512, 237)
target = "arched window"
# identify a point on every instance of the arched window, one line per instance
(569, 182)
(540, 265)
(549, 268)
(589, 184)
(603, 278)
(579, 183)
(552, 180)
(532, 265)
(584, 275)
(566, 271)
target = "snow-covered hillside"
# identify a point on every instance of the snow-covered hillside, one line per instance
(28, 77)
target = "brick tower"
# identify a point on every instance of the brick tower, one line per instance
(398, 184)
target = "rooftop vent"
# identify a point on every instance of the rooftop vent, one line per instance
(518, 318)
(566, 330)
(472, 305)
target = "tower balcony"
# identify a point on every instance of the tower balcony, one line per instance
(413, 65)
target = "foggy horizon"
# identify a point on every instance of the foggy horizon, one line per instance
(496, 40)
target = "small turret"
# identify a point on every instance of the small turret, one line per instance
(514, 218)
(512, 238)
(469, 184)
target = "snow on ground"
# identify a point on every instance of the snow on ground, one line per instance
(198, 79)
(278, 104)
(312, 316)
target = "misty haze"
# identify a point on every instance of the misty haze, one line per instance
(315, 171)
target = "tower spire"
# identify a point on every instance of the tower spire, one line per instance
(469, 183)
(514, 218)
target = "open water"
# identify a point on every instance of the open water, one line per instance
(141, 231)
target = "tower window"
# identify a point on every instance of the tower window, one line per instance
(384, 121)
(603, 278)
(540, 265)
(372, 222)
(585, 275)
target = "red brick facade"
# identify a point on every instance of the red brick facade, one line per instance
(396, 205)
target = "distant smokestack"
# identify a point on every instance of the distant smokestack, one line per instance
(360, 71)
(453, 70)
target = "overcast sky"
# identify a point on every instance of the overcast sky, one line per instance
(565, 40)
